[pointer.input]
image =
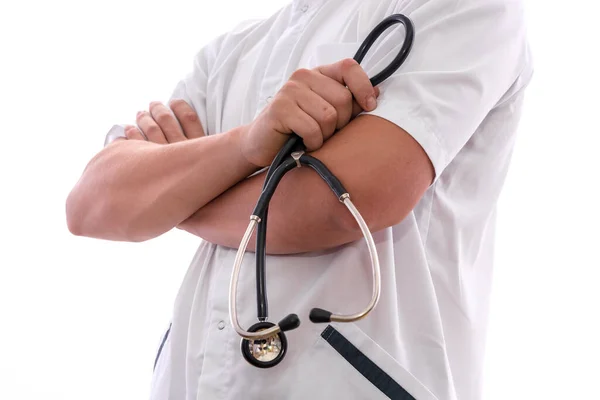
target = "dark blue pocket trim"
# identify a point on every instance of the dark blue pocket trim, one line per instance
(364, 365)
(161, 346)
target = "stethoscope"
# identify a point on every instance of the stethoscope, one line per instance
(264, 344)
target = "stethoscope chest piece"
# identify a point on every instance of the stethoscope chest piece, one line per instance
(264, 353)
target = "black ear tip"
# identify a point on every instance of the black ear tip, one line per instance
(289, 322)
(318, 315)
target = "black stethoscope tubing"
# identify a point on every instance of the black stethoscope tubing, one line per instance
(291, 156)
(292, 145)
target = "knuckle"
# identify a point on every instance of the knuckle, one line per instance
(348, 63)
(189, 116)
(342, 99)
(163, 118)
(301, 74)
(177, 103)
(154, 131)
(291, 87)
(329, 114)
(345, 97)
(129, 133)
(153, 105)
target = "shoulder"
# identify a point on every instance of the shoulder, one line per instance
(240, 30)
(431, 11)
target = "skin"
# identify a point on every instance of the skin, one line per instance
(168, 174)
(383, 168)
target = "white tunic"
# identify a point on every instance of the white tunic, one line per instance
(459, 95)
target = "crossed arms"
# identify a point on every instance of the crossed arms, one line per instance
(383, 168)
(135, 190)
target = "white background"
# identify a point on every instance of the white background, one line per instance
(81, 318)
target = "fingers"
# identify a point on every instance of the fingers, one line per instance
(308, 129)
(357, 109)
(291, 118)
(163, 125)
(133, 133)
(349, 73)
(167, 122)
(330, 81)
(150, 128)
(328, 89)
(315, 106)
(188, 118)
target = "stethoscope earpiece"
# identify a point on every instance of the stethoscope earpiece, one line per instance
(264, 344)
(288, 323)
(318, 315)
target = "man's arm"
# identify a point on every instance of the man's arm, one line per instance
(134, 190)
(467, 59)
(383, 168)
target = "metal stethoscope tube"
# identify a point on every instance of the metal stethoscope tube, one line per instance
(267, 337)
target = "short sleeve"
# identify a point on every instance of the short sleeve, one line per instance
(465, 57)
(193, 87)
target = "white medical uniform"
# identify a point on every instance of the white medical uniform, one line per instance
(459, 95)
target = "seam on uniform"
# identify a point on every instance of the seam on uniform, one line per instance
(428, 225)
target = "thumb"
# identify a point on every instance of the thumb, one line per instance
(357, 109)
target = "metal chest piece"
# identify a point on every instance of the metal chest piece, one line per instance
(264, 353)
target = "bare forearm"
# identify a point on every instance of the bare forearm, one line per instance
(135, 190)
(304, 215)
(383, 168)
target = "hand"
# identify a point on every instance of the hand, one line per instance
(163, 125)
(313, 104)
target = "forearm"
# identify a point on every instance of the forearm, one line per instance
(383, 168)
(304, 215)
(135, 190)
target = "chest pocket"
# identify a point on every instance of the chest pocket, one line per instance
(329, 53)
(344, 363)
(160, 382)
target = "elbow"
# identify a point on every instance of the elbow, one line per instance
(99, 218)
(73, 214)
(99, 208)
(82, 203)
(73, 224)
(85, 216)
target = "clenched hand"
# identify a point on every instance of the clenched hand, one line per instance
(314, 104)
